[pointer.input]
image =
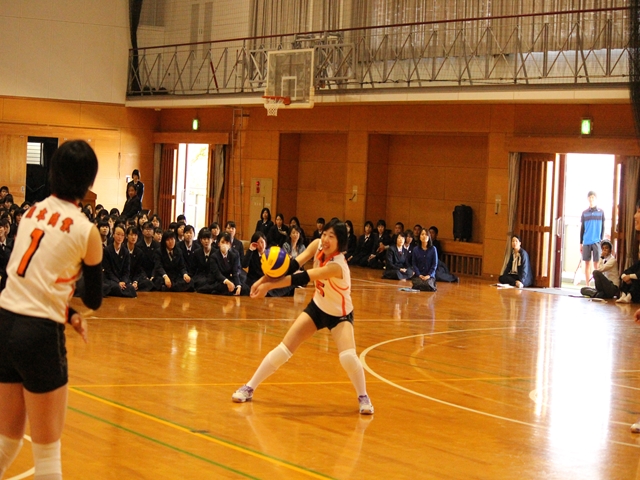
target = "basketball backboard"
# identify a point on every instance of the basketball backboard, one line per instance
(290, 74)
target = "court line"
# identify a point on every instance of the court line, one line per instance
(29, 472)
(209, 438)
(160, 442)
(364, 353)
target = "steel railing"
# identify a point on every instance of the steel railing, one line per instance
(535, 49)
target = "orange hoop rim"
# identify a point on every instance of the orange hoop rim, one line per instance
(278, 99)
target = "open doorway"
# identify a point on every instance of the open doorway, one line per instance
(190, 183)
(584, 173)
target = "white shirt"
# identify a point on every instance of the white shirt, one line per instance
(333, 295)
(46, 260)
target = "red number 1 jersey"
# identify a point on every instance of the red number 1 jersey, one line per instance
(46, 260)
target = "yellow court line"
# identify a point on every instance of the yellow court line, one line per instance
(203, 437)
(418, 380)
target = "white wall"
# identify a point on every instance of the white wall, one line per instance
(64, 49)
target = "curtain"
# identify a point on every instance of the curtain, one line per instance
(514, 177)
(216, 182)
(135, 7)
(165, 194)
(632, 174)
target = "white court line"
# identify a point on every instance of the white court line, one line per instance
(443, 402)
(28, 473)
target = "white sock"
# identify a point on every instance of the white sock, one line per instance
(47, 460)
(274, 360)
(351, 363)
(9, 449)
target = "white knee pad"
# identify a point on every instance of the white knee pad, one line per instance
(47, 460)
(9, 449)
(350, 361)
(279, 355)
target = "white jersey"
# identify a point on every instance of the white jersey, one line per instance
(46, 260)
(333, 295)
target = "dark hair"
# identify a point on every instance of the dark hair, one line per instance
(294, 219)
(381, 222)
(591, 192)
(136, 173)
(114, 211)
(8, 198)
(400, 234)
(181, 218)
(72, 170)
(408, 233)
(135, 190)
(157, 217)
(4, 222)
(4, 187)
(132, 230)
(120, 226)
(348, 222)
(281, 216)
(340, 230)
(147, 225)
(606, 242)
(103, 223)
(172, 226)
(257, 236)
(204, 233)
(226, 236)
(429, 241)
(370, 223)
(189, 228)
(516, 236)
(166, 235)
(401, 224)
(157, 230)
(265, 209)
(103, 213)
(214, 225)
(434, 228)
(320, 220)
(231, 224)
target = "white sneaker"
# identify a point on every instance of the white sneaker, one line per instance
(635, 428)
(365, 405)
(243, 394)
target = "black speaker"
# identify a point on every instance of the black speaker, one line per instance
(462, 223)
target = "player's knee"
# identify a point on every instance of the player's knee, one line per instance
(9, 449)
(47, 462)
(349, 360)
(279, 355)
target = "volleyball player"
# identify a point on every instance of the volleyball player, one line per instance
(331, 308)
(54, 243)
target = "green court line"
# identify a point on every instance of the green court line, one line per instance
(159, 442)
(255, 453)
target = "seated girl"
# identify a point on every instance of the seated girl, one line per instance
(425, 262)
(397, 267)
(518, 272)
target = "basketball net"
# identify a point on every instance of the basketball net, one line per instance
(272, 104)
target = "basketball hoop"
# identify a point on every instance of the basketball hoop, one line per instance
(272, 103)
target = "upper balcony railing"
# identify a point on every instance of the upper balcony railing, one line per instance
(559, 48)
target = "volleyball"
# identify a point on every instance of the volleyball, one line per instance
(275, 262)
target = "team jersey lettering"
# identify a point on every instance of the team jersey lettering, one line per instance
(30, 212)
(54, 219)
(36, 238)
(42, 214)
(66, 224)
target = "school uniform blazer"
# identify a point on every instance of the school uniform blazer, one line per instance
(237, 246)
(131, 207)
(352, 244)
(135, 257)
(633, 269)
(173, 267)
(148, 255)
(525, 274)
(188, 255)
(397, 260)
(5, 253)
(252, 263)
(425, 262)
(117, 265)
(264, 227)
(365, 245)
(276, 238)
(202, 262)
(222, 270)
(385, 239)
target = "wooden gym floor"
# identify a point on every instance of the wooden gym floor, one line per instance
(469, 382)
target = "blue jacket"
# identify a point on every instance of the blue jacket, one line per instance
(424, 262)
(525, 274)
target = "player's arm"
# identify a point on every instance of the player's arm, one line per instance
(259, 290)
(308, 253)
(92, 271)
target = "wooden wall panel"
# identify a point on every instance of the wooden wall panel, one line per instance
(13, 154)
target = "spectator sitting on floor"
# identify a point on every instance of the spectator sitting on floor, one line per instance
(518, 272)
